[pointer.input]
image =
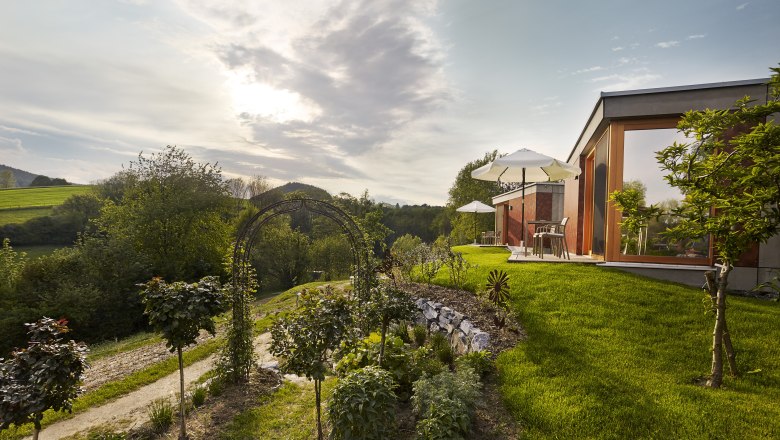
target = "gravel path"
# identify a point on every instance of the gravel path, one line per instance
(130, 410)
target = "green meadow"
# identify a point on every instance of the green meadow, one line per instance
(47, 196)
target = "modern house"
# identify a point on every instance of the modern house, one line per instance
(617, 147)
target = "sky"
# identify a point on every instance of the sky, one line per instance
(393, 97)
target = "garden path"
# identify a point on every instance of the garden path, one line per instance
(130, 410)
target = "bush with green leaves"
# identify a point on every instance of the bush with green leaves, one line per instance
(404, 251)
(404, 363)
(420, 333)
(430, 259)
(198, 395)
(362, 406)
(441, 348)
(401, 330)
(389, 304)
(43, 376)
(444, 404)
(479, 361)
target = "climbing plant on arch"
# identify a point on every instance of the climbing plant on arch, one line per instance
(236, 361)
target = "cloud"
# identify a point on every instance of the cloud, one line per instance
(348, 85)
(695, 37)
(617, 49)
(742, 6)
(630, 81)
(588, 70)
(667, 44)
(11, 145)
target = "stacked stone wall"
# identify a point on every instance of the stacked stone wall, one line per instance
(463, 335)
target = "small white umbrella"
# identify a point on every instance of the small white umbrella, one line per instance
(523, 166)
(476, 207)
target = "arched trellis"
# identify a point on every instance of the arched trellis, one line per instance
(248, 235)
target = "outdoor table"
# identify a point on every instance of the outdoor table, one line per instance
(536, 224)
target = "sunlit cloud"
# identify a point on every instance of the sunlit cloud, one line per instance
(617, 49)
(742, 6)
(667, 44)
(695, 37)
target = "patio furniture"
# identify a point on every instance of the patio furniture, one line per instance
(556, 233)
(540, 227)
(497, 238)
(489, 237)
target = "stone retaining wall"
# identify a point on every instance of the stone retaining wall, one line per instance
(463, 335)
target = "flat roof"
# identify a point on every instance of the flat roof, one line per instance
(628, 101)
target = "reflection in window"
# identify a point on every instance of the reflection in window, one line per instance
(642, 229)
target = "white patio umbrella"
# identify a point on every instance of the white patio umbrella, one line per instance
(525, 166)
(476, 207)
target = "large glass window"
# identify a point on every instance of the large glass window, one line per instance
(642, 174)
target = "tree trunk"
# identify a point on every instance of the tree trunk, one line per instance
(712, 289)
(317, 389)
(716, 378)
(382, 343)
(183, 427)
(36, 432)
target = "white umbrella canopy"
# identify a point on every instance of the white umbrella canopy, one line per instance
(538, 168)
(524, 166)
(476, 207)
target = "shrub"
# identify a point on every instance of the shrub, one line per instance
(442, 349)
(458, 268)
(160, 415)
(401, 330)
(362, 406)
(444, 403)
(404, 251)
(420, 333)
(199, 394)
(479, 361)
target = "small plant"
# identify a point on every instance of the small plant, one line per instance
(431, 259)
(479, 361)
(199, 394)
(444, 404)
(420, 333)
(362, 406)
(442, 349)
(497, 293)
(401, 330)
(216, 386)
(160, 415)
(458, 267)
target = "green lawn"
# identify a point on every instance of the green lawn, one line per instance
(39, 196)
(39, 250)
(21, 215)
(611, 355)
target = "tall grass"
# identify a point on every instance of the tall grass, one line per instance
(612, 355)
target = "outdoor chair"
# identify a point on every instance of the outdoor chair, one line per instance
(489, 237)
(557, 236)
(497, 238)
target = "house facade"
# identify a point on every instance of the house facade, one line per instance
(616, 149)
(543, 201)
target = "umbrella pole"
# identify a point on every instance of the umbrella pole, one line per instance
(475, 226)
(522, 216)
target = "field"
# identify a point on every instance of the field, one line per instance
(39, 196)
(21, 215)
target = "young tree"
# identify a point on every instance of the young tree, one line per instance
(389, 304)
(730, 176)
(304, 338)
(466, 189)
(179, 311)
(43, 376)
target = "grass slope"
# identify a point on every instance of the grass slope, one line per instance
(21, 215)
(611, 355)
(39, 196)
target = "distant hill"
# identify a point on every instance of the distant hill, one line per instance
(278, 193)
(23, 178)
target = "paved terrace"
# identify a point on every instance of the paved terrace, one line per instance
(518, 256)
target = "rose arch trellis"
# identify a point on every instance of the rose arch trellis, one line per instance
(246, 240)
